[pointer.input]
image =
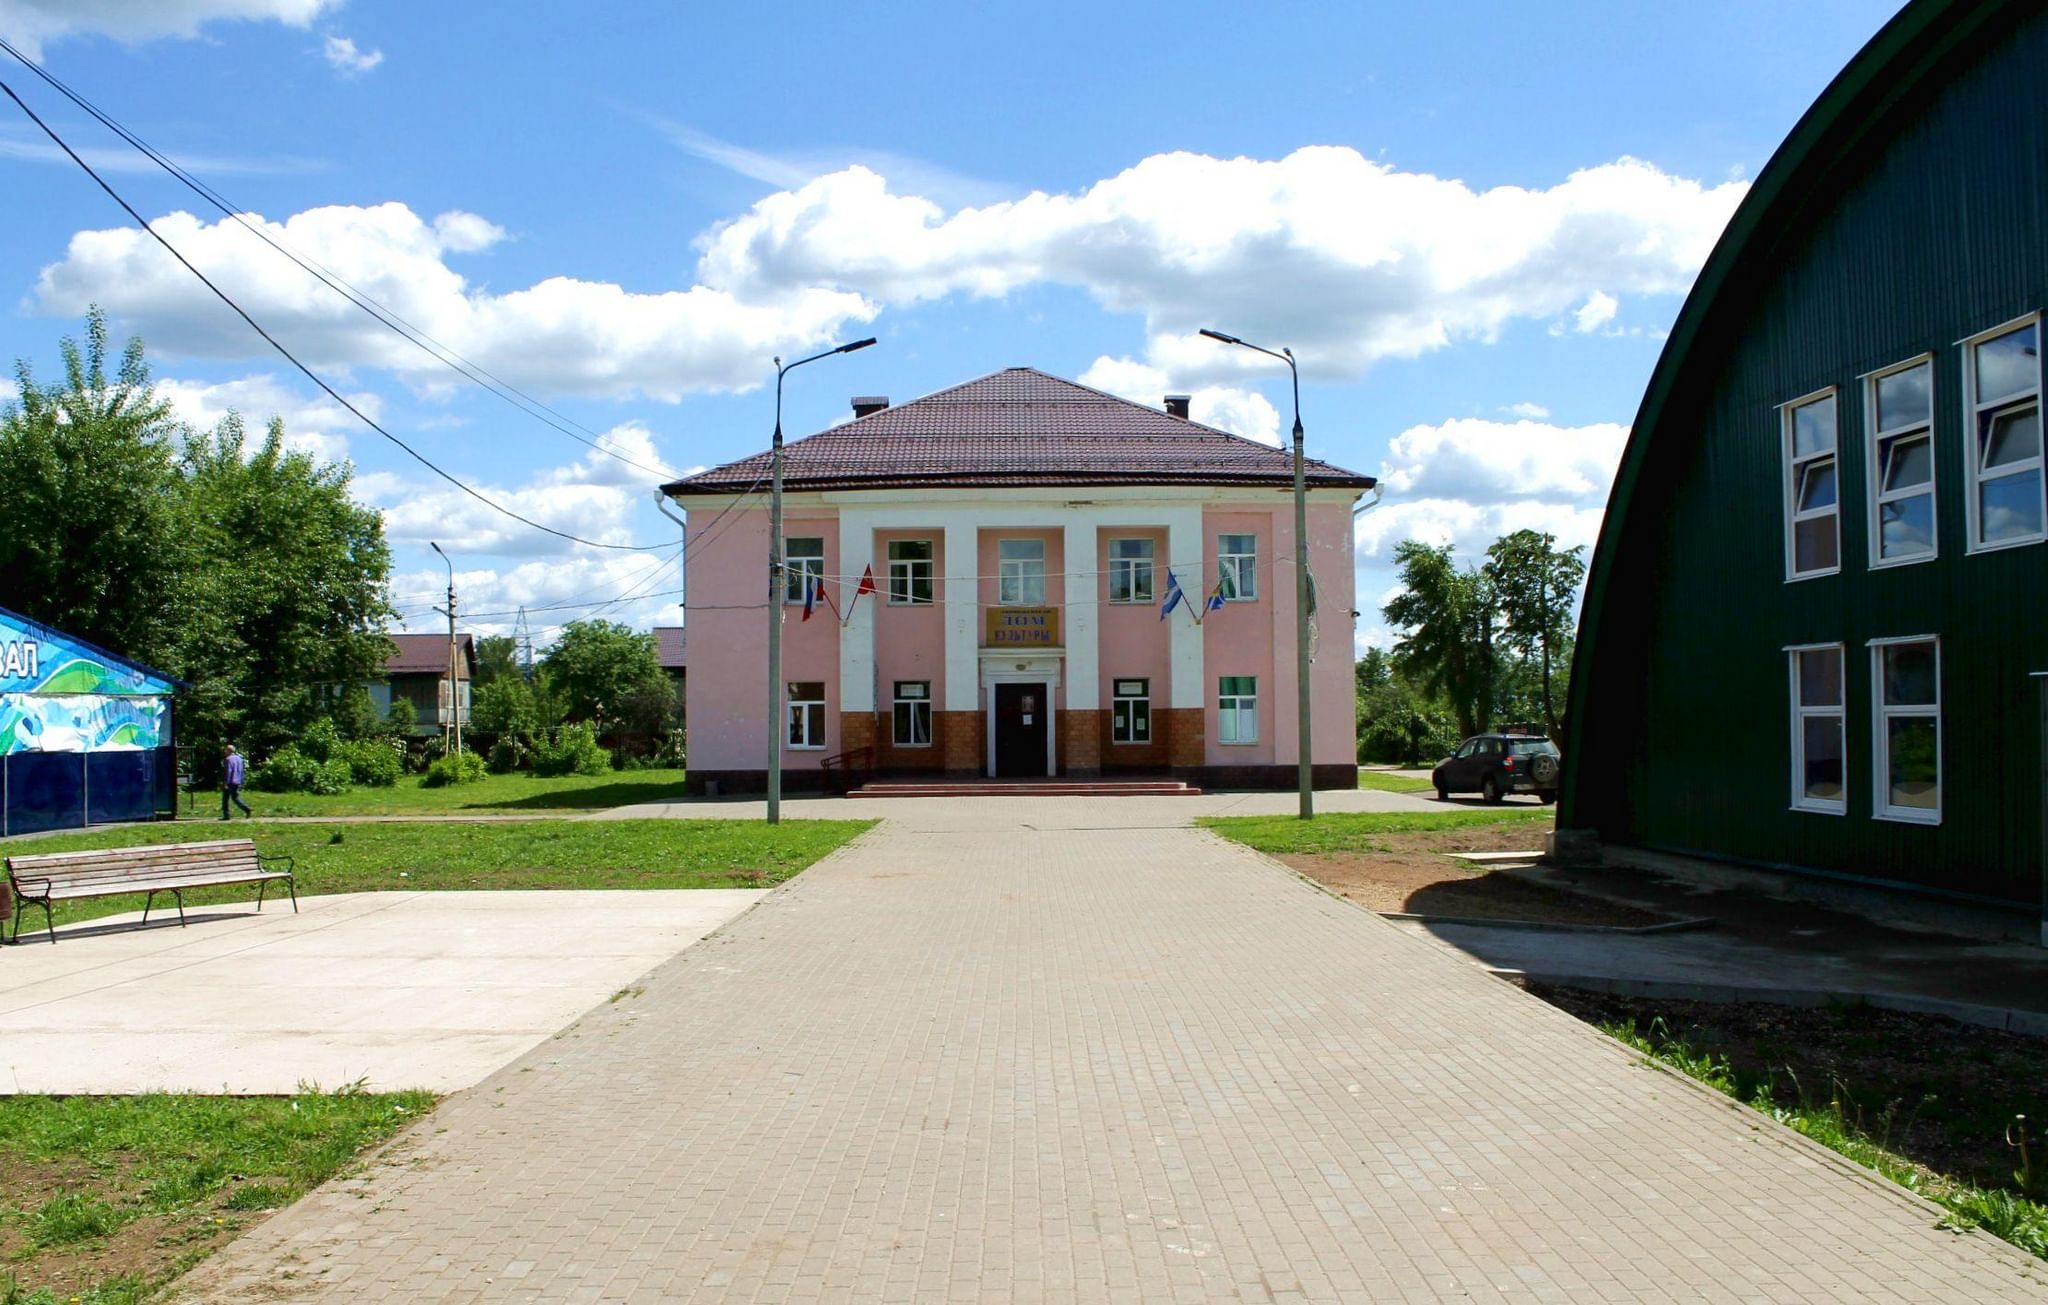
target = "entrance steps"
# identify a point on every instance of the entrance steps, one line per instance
(1026, 788)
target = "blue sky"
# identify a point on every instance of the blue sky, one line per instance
(1472, 226)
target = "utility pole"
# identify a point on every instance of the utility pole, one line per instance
(775, 583)
(1305, 773)
(454, 730)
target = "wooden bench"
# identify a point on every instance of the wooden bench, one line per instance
(164, 868)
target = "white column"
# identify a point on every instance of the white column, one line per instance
(1184, 545)
(857, 639)
(963, 615)
(1084, 679)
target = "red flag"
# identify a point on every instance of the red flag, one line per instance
(867, 581)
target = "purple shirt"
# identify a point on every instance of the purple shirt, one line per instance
(235, 768)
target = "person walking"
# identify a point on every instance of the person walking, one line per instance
(233, 770)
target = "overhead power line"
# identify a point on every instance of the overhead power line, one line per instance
(292, 358)
(475, 372)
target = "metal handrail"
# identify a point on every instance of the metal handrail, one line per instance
(844, 763)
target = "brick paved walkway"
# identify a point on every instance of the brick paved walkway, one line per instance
(1098, 1065)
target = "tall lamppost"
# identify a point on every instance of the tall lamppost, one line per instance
(454, 686)
(1305, 773)
(775, 583)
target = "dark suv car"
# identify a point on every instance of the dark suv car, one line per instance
(1495, 765)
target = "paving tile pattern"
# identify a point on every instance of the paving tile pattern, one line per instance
(1093, 1065)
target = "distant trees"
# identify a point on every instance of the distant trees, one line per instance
(243, 567)
(1481, 646)
(608, 674)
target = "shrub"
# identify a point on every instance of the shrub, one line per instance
(573, 751)
(506, 755)
(372, 761)
(456, 768)
(287, 770)
(329, 777)
(320, 740)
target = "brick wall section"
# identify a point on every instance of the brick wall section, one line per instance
(1186, 742)
(1080, 745)
(962, 742)
(1148, 757)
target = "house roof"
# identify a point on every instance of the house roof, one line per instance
(427, 654)
(1018, 427)
(668, 647)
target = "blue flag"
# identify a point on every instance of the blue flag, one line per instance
(1173, 595)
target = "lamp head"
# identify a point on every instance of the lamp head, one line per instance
(1218, 335)
(857, 344)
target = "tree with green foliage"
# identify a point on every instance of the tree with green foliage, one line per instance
(1450, 627)
(497, 655)
(505, 706)
(597, 667)
(1536, 584)
(92, 536)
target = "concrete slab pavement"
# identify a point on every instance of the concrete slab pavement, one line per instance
(402, 990)
(1019, 812)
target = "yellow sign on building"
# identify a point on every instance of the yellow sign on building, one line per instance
(1023, 627)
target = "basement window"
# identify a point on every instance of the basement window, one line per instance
(2002, 394)
(1906, 719)
(1813, 544)
(1899, 410)
(1819, 775)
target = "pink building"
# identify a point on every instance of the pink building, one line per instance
(1024, 534)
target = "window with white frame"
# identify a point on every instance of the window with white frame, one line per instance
(1130, 570)
(1899, 410)
(2002, 375)
(1130, 712)
(1237, 709)
(803, 560)
(1020, 565)
(1237, 567)
(1813, 544)
(806, 713)
(1819, 780)
(1906, 718)
(910, 571)
(913, 714)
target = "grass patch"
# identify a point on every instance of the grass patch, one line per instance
(1361, 831)
(1851, 1124)
(525, 854)
(1381, 781)
(518, 791)
(105, 1199)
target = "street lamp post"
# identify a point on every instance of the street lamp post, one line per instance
(1305, 774)
(454, 686)
(775, 582)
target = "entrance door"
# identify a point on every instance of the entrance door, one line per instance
(1020, 730)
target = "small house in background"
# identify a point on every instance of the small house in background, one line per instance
(417, 672)
(85, 734)
(670, 650)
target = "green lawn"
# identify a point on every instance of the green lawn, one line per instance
(156, 1183)
(518, 854)
(1381, 781)
(518, 791)
(1358, 831)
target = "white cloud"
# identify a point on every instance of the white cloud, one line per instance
(31, 24)
(1598, 310)
(1471, 458)
(1239, 411)
(346, 59)
(1470, 528)
(317, 425)
(574, 588)
(27, 145)
(1532, 411)
(561, 335)
(1348, 260)
(9, 391)
(631, 462)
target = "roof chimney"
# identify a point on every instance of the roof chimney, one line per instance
(1177, 405)
(867, 405)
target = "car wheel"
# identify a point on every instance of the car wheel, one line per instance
(1491, 790)
(1442, 794)
(1548, 798)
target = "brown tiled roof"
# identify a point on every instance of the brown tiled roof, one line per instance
(427, 654)
(668, 647)
(1018, 427)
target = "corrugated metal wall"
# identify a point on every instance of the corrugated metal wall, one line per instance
(1939, 231)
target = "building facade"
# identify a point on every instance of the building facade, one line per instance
(1814, 634)
(982, 583)
(417, 673)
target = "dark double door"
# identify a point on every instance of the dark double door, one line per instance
(1021, 712)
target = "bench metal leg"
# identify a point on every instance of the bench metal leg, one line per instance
(261, 884)
(178, 894)
(293, 885)
(148, 902)
(48, 923)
